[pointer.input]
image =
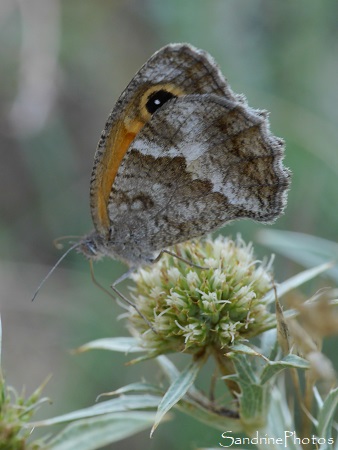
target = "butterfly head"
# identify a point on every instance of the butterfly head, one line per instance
(92, 246)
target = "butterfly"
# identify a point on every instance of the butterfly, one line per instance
(180, 156)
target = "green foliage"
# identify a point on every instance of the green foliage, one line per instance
(15, 413)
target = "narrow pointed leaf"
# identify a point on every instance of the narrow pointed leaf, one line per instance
(120, 404)
(303, 248)
(135, 387)
(326, 415)
(177, 390)
(245, 349)
(296, 281)
(96, 432)
(146, 357)
(279, 421)
(274, 367)
(119, 344)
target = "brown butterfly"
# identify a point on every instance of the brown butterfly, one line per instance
(180, 156)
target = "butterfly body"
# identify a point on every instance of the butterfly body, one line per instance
(180, 156)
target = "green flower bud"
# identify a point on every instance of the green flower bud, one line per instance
(191, 308)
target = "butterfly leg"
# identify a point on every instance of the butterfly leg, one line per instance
(189, 263)
(118, 293)
(130, 303)
(125, 299)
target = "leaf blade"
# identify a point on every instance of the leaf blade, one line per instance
(177, 390)
(120, 404)
(119, 344)
(94, 433)
(295, 281)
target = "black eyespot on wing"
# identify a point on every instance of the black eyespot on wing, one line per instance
(158, 99)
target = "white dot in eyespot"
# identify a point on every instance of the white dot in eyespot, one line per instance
(157, 102)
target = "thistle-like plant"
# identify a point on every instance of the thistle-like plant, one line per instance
(227, 311)
(16, 411)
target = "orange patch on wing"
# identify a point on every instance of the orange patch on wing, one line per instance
(117, 144)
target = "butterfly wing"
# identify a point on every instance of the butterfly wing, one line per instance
(179, 69)
(201, 161)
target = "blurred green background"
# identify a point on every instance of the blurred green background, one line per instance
(63, 65)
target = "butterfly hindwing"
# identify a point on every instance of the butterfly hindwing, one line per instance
(201, 161)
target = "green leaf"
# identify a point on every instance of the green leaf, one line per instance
(135, 387)
(119, 344)
(254, 398)
(274, 367)
(254, 404)
(303, 248)
(326, 416)
(171, 372)
(149, 355)
(244, 370)
(177, 390)
(197, 405)
(245, 349)
(279, 421)
(120, 404)
(295, 281)
(94, 433)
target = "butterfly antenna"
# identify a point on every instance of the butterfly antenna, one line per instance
(54, 267)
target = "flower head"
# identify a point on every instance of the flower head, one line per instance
(192, 308)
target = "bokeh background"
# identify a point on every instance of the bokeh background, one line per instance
(63, 65)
